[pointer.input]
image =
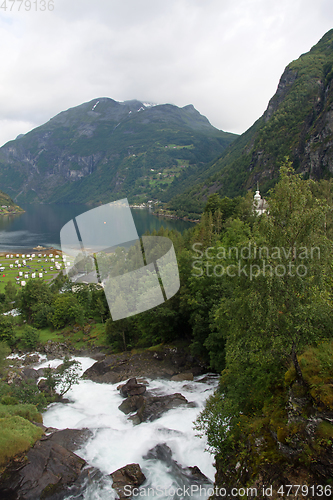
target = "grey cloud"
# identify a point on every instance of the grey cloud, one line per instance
(224, 57)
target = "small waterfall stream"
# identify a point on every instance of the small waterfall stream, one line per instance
(116, 442)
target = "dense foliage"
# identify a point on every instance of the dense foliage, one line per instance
(275, 322)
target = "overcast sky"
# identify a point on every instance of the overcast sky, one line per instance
(223, 56)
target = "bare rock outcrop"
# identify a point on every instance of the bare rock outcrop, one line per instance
(126, 478)
(48, 469)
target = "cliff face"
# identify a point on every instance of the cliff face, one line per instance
(103, 150)
(268, 461)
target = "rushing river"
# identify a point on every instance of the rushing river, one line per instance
(116, 442)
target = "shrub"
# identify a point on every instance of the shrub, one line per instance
(30, 337)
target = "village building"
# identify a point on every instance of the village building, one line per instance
(260, 205)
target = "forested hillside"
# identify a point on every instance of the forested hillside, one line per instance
(297, 123)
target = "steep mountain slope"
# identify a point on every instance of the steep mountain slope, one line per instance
(298, 123)
(104, 150)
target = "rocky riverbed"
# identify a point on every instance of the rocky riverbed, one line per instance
(142, 404)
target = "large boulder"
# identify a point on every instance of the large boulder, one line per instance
(55, 349)
(132, 404)
(29, 374)
(181, 377)
(132, 388)
(153, 407)
(183, 475)
(127, 478)
(47, 470)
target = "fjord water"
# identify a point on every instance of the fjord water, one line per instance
(116, 442)
(41, 225)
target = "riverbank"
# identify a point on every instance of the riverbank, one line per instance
(90, 444)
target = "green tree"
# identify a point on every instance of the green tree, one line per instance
(277, 307)
(30, 337)
(4, 352)
(66, 310)
(64, 377)
(7, 329)
(118, 332)
(32, 296)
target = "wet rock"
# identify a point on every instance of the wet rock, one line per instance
(31, 359)
(42, 386)
(42, 371)
(184, 475)
(71, 439)
(153, 407)
(99, 356)
(127, 478)
(116, 368)
(132, 388)
(132, 404)
(180, 377)
(46, 471)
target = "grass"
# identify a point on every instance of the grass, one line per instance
(26, 411)
(17, 436)
(75, 335)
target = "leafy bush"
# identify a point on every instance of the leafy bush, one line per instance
(8, 400)
(4, 352)
(25, 393)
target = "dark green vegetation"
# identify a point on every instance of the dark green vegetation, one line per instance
(255, 304)
(297, 123)
(272, 329)
(7, 206)
(104, 150)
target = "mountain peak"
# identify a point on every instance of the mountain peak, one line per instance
(103, 150)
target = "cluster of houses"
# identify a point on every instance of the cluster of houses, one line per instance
(26, 262)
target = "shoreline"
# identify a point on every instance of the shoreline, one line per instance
(25, 250)
(171, 216)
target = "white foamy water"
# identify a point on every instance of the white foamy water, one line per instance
(116, 442)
